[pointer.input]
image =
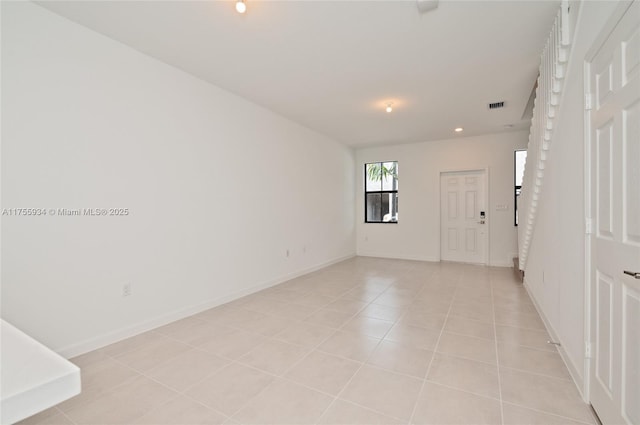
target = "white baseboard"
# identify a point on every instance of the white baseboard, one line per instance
(578, 378)
(507, 262)
(425, 258)
(120, 334)
(501, 263)
(397, 257)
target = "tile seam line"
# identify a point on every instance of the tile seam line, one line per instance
(495, 347)
(360, 368)
(435, 349)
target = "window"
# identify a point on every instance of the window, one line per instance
(381, 192)
(520, 158)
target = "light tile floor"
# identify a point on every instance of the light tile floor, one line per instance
(365, 341)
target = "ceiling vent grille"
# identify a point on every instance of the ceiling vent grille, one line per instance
(496, 105)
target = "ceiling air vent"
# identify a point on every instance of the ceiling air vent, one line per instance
(496, 105)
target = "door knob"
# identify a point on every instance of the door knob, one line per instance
(634, 274)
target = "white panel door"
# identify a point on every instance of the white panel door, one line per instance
(615, 206)
(463, 235)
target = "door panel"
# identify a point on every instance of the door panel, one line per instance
(631, 155)
(470, 205)
(631, 56)
(463, 237)
(631, 356)
(604, 84)
(604, 332)
(453, 240)
(603, 142)
(470, 238)
(615, 246)
(453, 205)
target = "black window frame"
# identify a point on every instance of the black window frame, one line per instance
(367, 192)
(516, 188)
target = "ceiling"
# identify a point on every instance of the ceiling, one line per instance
(333, 65)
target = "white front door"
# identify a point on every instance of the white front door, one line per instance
(614, 80)
(463, 217)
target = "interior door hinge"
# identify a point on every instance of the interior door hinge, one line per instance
(587, 350)
(588, 226)
(588, 100)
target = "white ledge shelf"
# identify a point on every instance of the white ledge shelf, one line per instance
(32, 377)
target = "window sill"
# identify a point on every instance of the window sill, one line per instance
(380, 222)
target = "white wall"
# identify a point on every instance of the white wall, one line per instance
(417, 234)
(218, 188)
(554, 272)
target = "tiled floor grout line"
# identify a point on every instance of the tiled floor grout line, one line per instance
(282, 376)
(316, 347)
(547, 413)
(115, 387)
(488, 397)
(529, 347)
(541, 375)
(141, 373)
(236, 361)
(231, 362)
(495, 334)
(258, 393)
(177, 396)
(361, 406)
(409, 276)
(66, 416)
(178, 393)
(435, 350)
(183, 392)
(364, 362)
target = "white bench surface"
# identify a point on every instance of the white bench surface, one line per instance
(32, 376)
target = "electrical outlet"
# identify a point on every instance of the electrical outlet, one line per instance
(126, 289)
(287, 254)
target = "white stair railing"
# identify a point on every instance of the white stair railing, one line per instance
(553, 66)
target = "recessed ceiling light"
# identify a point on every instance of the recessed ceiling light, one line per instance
(458, 130)
(389, 108)
(241, 7)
